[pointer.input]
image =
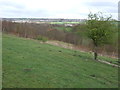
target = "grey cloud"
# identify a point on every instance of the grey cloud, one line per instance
(11, 4)
(113, 10)
(25, 13)
(100, 4)
(13, 9)
(19, 10)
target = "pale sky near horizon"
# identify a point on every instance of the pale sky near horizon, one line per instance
(74, 9)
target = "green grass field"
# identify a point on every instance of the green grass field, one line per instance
(31, 64)
(67, 29)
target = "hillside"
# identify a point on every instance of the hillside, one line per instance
(29, 63)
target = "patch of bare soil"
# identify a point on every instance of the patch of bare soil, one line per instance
(114, 65)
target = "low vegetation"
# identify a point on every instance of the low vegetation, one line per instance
(42, 38)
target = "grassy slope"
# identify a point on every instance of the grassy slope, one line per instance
(51, 69)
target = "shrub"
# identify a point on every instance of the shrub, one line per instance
(42, 38)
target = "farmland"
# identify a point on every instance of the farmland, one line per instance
(27, 63)
(63, 28)
(66, 22)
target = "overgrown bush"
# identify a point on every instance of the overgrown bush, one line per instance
(42, 38)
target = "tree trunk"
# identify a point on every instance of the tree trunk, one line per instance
(95, 53)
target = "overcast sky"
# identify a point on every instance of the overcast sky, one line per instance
(56, 8)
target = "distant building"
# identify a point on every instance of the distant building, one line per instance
(70, 25)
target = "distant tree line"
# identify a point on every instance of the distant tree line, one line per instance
(32, 30)
(76, 36)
